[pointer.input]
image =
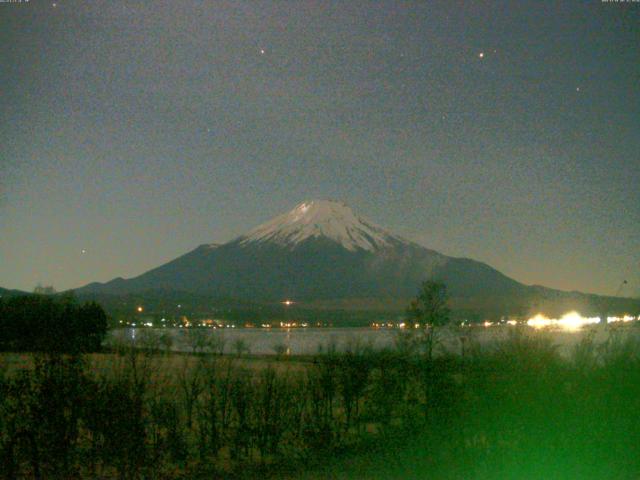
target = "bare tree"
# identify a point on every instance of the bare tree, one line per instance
(429, 311)
(191, 383)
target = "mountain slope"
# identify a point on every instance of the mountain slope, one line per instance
(322, 219)
(6, 293)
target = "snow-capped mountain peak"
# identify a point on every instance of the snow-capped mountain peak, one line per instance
(322, 218)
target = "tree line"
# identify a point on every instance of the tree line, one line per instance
(48, 323)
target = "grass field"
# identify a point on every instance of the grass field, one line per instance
(515, 410)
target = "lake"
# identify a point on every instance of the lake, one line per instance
(307, 341)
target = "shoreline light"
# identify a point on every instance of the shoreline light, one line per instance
(624, 318)
(569, 321)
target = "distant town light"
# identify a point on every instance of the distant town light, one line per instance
(625, 318)
(569, 321)
(288, 302)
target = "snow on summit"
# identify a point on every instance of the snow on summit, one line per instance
(322, 218)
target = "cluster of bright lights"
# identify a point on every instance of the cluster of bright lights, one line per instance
(625, 318)
(380, 325)
(487, 323)
(569, 321)
(292, 325)
(400, 325)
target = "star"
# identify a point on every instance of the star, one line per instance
(83, 251)
(54, 5)
(577, 89)
(262, 51)
(481, 55)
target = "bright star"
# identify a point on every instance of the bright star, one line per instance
(481, 55)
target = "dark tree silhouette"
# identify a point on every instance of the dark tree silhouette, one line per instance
(47, 323)
(429, 310)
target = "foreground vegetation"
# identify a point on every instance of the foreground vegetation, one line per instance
(517, 410)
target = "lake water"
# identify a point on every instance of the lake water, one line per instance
(306, 341)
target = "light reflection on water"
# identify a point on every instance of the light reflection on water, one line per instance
(308, 341)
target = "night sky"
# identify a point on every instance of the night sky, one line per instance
(508, 132)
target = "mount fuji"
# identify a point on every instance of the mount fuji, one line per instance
(322, 254)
